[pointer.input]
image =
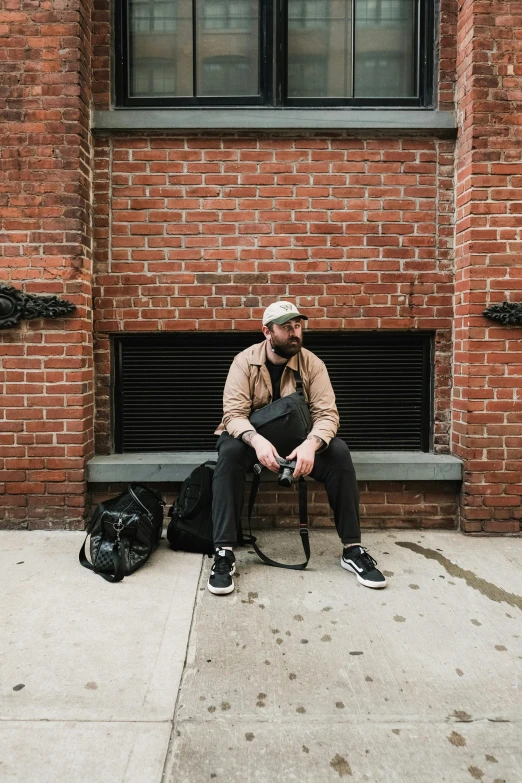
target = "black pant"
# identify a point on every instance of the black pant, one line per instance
(332, 467)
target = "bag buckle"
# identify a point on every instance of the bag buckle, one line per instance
(118, 527)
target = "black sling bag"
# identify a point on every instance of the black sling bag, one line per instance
(287, 422)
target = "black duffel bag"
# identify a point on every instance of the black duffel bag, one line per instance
(124, 532)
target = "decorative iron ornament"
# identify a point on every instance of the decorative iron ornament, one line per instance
(508, 313)
(15, 305)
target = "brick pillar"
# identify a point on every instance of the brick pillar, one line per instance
(46, 377)
(487, 404)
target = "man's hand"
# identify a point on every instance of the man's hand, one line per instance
(304, 456)
(266, 452)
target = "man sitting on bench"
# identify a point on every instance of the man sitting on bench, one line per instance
(259, 375)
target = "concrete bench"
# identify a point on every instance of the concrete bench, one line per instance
(175, 466)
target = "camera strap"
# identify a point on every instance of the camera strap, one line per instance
(303, 523)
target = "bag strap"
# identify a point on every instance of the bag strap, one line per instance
(156, 495)
(116, 559)
(298, 382)
(303, 523)
(203, 499)
(138, 502)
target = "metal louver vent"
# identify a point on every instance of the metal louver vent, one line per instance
(169, 388)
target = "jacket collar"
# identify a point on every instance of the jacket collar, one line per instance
(258, 356)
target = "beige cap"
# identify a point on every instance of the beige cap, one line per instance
(281, 312)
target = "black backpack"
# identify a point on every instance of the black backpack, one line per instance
(124, 532)
(190, 528)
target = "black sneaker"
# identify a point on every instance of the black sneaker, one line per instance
(357, 560)
(220, 581)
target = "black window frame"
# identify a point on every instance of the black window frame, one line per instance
(273, 67)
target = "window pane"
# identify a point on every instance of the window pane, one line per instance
(385, 41)
(319, 49)
(153, 77)
(214, 15)
(160, 47)
(228, 48)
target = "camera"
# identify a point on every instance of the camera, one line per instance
(286, 472)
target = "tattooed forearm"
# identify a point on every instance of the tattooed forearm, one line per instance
(318, 441)
(246, 437)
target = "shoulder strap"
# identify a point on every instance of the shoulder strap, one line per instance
(138, 502)
(303, 523)
(116, 559)
(298, 380)
(195, 503)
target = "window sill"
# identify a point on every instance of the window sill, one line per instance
(176, 466)
(275, 119)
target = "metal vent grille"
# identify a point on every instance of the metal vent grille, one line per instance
(169, 388)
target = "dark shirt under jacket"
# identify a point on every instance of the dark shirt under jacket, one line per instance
(276, 373)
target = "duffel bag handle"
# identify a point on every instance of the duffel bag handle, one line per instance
(134, 485)
(116, 559)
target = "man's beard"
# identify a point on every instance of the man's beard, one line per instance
(286, 348)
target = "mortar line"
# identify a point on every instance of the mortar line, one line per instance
(110, 200)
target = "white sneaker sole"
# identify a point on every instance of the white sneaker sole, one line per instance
(365, 582)
(223, 590)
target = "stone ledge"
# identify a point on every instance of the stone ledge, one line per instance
(176, 466)
(275, 119)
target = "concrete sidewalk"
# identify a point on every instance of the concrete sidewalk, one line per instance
(295, 676)
(90, 671)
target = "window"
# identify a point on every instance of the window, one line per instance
(235, 75)
(307, 14)
(382, 73)
(157, 76)
(307, 76)
(158, 16)
(228, 15)
(168, 388)
(274, 52)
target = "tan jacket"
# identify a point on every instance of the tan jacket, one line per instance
(248, 387)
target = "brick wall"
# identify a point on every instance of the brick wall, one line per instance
(46, 366)
(447, 53)
(487, 402)
(384, 504)
(203, 232)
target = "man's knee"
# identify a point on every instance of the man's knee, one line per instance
(339, 454)
(232, 452)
